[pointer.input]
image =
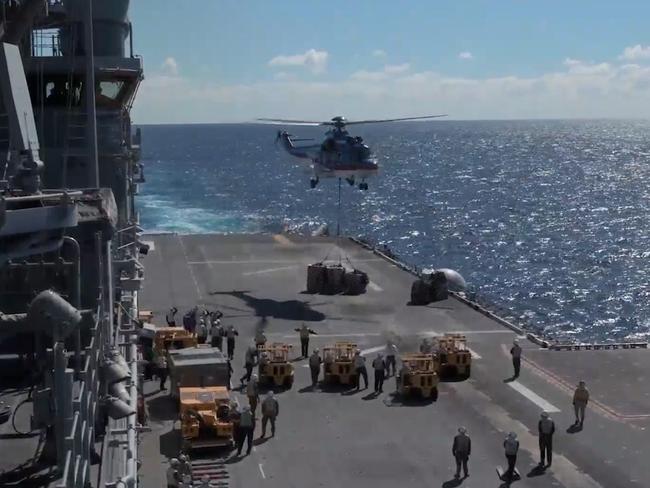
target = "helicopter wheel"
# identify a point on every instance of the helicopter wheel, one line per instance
(313, 182)
(363, 186)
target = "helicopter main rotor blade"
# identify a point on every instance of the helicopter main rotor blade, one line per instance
(377, 121)
(290, 122)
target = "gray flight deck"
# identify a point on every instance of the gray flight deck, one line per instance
(337, 438)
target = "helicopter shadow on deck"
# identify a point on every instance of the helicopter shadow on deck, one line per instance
(267, 307)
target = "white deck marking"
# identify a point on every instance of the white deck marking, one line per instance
(151, 244)
(265, 261)
(295, 335)
(365, 352)
(533, 397)
(374, 286)
(475, 355)
(261, 471)
(269, 270)
(196, 283)
(432, 333)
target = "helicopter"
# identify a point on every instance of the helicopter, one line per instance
(340, 155)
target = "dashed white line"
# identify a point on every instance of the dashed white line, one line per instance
(261, 471)
(374, 286)
(475, 355)
(269, 270)
(366, 334)
(196, 283)
(533, 397)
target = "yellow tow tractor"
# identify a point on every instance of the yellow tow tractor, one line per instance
(451, 356)
(338, 363)
(418, 376)
(274, 365)
(205, 417)
(167, 338)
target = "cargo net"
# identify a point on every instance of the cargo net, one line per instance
(335, 278)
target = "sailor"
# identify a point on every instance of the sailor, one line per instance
(253, 393)
(260, 338)
(379, 365)
(546, 429)
(304, 339)
(511, 446)
(403, 378)
(202, 331)
(270, 411)
(461, 450)
(189, 320)
(314, 366)
(515, 352)
(184, 466)
(173, 476)
(249, 363)
(425, 347)
(246, 430)
(360, 369)
(231, 332)
(580, 400)
(234, 415)
(391, 353)
(230, 372)
(328, 361)
(161, 363)
(171, 317)
(263, 363)
(216, 335)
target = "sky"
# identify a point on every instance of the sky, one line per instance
(235, 60)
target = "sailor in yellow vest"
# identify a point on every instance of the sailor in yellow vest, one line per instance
(580, 400)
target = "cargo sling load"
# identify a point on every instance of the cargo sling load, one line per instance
(332, 279)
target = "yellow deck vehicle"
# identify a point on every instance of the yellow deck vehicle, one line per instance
(452, 357)
(418, 375)
(204, 414)
(172, 338)
(278, 371)
(338, 363)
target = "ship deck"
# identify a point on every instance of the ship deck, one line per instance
(343, 438)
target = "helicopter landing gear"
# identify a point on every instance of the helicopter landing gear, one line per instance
(363, 186)
(313, 182)
(350, 180)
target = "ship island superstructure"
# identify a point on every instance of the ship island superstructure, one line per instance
(69, 246)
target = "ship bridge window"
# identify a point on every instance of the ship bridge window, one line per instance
(110, 94)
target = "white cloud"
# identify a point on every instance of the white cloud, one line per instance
(633, 53)
(578, 89)
(379, 53)
(395, 69)
(170, 66)
(465, 55)
(315, 61)
(386, 72)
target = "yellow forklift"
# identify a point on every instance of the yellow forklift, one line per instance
(451, 356)
(169, 338)
(338, 363)
(274, 365)
(205, 417)
(418, 376)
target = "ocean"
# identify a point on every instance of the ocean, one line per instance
(546, 220)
